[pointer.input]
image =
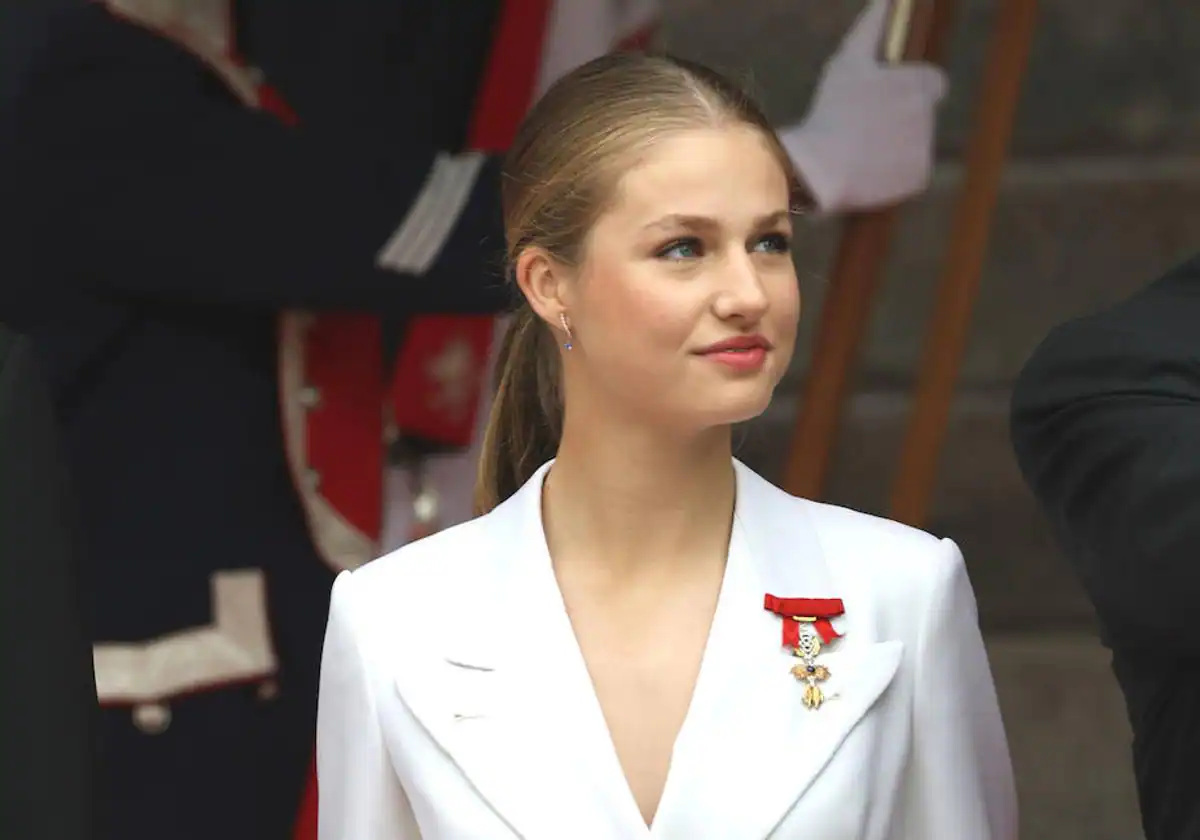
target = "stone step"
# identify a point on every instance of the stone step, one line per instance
(1068, 237)
(1022, 581)
(1139, 55)
(1069, 737)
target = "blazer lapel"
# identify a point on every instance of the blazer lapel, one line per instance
(507, 694)
(747, 721)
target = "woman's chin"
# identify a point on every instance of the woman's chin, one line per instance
(734, 409)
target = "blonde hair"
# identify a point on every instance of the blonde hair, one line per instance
(559, 177)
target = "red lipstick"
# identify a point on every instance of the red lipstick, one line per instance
(744, 353)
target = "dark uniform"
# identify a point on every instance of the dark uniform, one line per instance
(48, 704)
(1106, 425)
(156, 231)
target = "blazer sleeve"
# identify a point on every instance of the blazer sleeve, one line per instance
(359, 793)
(133, 171)
(1106, 428)
(960, 781)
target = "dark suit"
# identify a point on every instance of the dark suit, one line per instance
(49, 701)
(1106, 425)
(155, 230)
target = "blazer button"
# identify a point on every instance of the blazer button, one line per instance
(310, 397)
(152, 718)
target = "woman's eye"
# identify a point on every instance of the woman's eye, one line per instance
(682, 249)
(774, 243)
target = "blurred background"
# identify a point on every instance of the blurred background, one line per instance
(1100, 196)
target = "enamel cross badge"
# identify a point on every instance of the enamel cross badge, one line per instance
(807, 629)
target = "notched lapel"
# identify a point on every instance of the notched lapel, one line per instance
(472, 706)
(509, 701)
(754, 723)
(785, 746)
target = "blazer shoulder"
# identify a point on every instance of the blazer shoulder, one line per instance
(905, 574)
(913, 561)
(853, 541)
(426, 568)
(837, 522)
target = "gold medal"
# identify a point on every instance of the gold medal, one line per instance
(813, 696)
(808, 648)
(816, 673)
(807, 629)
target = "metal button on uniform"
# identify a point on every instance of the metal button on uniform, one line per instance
(152, 718)
(312, 480)
(268, 690)
(391, 433)
(310, 396)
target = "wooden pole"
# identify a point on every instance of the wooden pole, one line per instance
(858, 266)
(959, 282)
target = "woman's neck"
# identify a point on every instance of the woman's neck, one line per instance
(637, 505)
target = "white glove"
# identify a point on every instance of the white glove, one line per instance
(868, 139)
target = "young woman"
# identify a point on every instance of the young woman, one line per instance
(640, 637)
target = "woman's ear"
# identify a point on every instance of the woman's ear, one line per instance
(543, 282)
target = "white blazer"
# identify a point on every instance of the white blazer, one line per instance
(455, 703)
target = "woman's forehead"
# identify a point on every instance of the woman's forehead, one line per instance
(714, 173)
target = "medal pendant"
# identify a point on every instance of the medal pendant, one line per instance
(813, 696)
(816, 673)
(809, 647)
(809, 671)
(807, 629)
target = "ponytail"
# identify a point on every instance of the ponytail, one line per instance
(525, 424)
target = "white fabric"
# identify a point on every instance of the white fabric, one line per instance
(868, 139)
(581, 30)
(235, 647)
(455, 701)
(417, 243)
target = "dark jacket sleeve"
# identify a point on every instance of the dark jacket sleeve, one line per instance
(134, 172)
(1106, 427)
(48, 703)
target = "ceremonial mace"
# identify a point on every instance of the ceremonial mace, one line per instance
(958, 285)
(915, 30)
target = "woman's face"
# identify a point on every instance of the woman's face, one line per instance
(685, 307)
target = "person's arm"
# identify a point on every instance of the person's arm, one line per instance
(132, 172)
(959, 781)
(1106, 428)
(868, 138)
(360, 796)
(48, 703)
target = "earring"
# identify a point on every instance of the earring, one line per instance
(566, 325)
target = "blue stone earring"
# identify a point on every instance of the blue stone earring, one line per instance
(566, 325)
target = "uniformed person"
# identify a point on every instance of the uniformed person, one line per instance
(166, 230)
(48, 704)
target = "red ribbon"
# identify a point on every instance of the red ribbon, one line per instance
(820, 610)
